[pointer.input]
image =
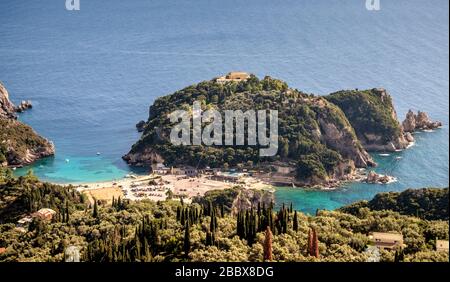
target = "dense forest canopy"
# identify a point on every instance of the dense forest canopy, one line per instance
(314, 134)
(203, 231)
(426, 203)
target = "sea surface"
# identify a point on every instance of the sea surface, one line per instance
(92, 74)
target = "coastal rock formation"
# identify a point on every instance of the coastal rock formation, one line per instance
(140, 126)
(145, 157)
(372, 115)
(375, 178)
(313, 132)
(19, 144)
(421, 121)
(24, 105)
(248, 198)
(7, 109)
(341, 136)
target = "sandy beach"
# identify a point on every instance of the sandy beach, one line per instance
(156, 187)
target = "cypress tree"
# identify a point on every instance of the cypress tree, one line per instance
(313, 243)
(212, 224)
(178, 214)
(67, 211)
(95, 211)
(316, 243)
(187, 240)
(295, 224)
(182, 218)
(268, 245)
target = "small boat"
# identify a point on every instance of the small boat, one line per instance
(98, 154)
(67, 160)
(398, 158)
(14, 168)
(384, 155)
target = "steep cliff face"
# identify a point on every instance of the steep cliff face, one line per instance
(312, 132)
(19, 144)
(338, 134)
(7, 109)
(372, 115)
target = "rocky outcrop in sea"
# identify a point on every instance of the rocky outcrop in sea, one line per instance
(419, 121)
(375, 178)
(140, 126)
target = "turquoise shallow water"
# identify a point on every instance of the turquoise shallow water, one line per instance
(92, 74)
(411, 167)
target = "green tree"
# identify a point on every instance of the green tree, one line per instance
(295, 223)
(187, 240)
(95, 211)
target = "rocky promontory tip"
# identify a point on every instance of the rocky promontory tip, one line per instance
(19, 144)
(419, 121)
(373, 117)
(7, 108)
(140, 126)
(24, 105)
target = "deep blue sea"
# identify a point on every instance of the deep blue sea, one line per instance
(92, 74)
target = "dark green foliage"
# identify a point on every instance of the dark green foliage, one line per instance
(222, 198)
(95, 210)
(26, 195)
(369, 112)
(295, 224)
(426, 203)
(298, 115)
(399, 255)
(187, 240)
(120, 204)
(250, 222)
(20, 138)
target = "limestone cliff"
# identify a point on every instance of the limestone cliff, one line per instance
(19, 144)
(312, 132)
(421, 121)
(7, 109)
(373, 116)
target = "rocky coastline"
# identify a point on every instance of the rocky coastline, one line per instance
(344, 126)
(20, 145)
(420, 121)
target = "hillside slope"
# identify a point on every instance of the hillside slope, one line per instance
(19, 144)
(314, 134)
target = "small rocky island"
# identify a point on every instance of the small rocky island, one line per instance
(19, 144)
(421, 121)
(322, 141)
